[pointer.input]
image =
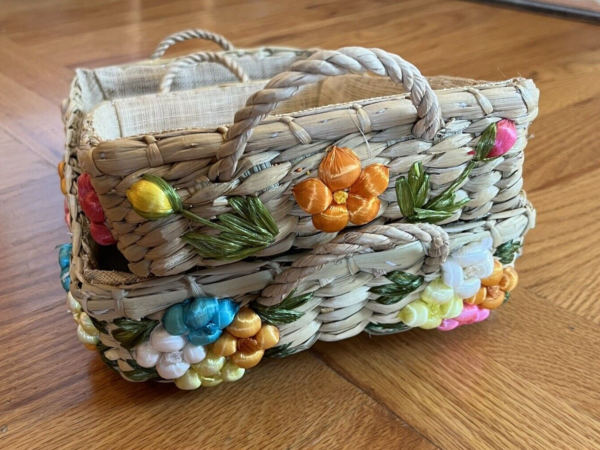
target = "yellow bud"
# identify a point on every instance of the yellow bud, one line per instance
(149, 200)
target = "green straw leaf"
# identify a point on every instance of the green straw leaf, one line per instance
(415, 175)
(384, 328)
(131, 332)
(422, 192)
(486, 142)
(285, 311)
(405, 197)
(140, 373)
(283, 351)
(245, 233)
(403, 283)
(99, 324)
(507, 251)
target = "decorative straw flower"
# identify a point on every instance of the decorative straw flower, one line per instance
(61, 174)
(178, 348)
(496, 140)
(202, 319)
(191, 348)
(343, 192)
(153, 198)
(437, 302)
(87, 333)
(470, 314)
(91, 207)
(467, 266)
(496, 288)
(67, 213)
(64, 261)
(246, 339)
(88, 199)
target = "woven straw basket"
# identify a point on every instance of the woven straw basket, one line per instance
(223, 257)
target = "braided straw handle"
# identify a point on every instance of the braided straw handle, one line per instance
(435, 241)
(186, 35)
(174, 68)
(323, 64)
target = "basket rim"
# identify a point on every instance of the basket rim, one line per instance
(88, 118)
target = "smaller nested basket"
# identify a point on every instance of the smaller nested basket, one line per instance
(438, 251)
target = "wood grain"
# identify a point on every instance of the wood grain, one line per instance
(527, 379)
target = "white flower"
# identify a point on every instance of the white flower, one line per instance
(171, 365)
(465, 268)
(171, 355)
(163, 341)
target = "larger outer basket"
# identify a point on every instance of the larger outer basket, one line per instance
(341, 279)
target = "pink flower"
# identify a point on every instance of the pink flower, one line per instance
(67, 213)
(506, 136)
(470, 314)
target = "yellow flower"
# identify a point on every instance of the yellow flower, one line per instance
(437, 303)
(153, 198)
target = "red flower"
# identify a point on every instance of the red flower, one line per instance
(90, 204)
(101, 234)
(91, 207)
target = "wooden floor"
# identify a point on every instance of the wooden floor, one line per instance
(529, 378)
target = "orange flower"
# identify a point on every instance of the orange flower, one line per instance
(246, 339)
(343, 192)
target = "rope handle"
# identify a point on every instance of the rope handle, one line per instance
(327, 63)
(186, 35)
(174, 68)
(435, 241)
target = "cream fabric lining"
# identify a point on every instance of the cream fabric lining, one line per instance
(214, 106)
(108, 83)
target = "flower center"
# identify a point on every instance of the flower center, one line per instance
(493, 291)
(340, 197)
(434, 310)
(247, 345)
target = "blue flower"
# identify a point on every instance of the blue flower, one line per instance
(64, 260)
(64, 255)
(202, 319)
(65, 279)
